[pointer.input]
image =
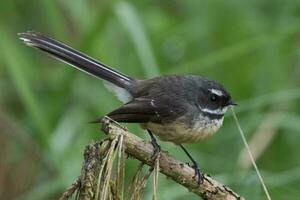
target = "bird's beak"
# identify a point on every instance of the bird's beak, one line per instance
(232, 103)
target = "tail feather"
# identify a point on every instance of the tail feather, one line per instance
(76, 59)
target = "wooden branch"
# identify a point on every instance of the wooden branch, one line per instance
(96, 160)
(71, 190)
(94, 156)
(180, 172)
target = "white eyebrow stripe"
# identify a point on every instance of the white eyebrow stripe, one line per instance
(216, 92)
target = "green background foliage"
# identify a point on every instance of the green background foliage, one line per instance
(252, 47)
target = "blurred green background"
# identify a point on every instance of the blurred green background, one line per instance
(252, 47)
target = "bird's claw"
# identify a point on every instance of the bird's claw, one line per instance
(198, 174)
(156, 147)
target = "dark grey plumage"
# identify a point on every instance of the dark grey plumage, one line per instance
(177, 102)
(178, 109)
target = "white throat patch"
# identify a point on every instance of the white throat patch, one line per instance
(219, 111)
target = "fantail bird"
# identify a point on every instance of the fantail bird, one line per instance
(176, 108)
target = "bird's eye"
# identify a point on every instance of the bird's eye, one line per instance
(213, 97)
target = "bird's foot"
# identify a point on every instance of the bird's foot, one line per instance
(198, 174)
(155, 145)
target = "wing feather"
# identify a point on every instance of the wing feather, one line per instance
(142, 110)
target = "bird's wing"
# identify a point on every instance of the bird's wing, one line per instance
(143, 110)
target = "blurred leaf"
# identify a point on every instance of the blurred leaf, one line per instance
(54, 16)
(129, 19)
(284, 178)
(227, 53)
(268, 99)
(43, 191)
(16, 64)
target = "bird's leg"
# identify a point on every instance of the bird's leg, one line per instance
(154, 143)
(198, 173)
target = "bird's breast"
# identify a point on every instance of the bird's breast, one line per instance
(179, 132)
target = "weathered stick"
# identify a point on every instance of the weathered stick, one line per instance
(95, 157)
(71, 190)
(180, 172)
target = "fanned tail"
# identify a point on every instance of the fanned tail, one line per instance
(76, 59)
